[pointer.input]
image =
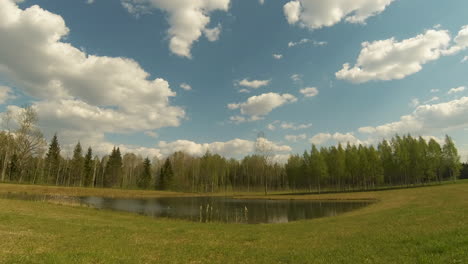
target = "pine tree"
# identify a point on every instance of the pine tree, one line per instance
(145, 176)
(165, 176)
(77, 166)
(53, 161)
(88, 168)
(113, 169)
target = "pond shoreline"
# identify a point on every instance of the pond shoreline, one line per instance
(364, 195)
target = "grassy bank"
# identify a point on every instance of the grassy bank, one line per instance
(419, 225)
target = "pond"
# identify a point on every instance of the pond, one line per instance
(212, 209)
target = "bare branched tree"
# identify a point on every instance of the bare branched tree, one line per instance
(29, 139)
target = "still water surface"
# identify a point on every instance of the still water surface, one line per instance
(213, 209)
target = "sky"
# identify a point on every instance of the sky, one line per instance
(158, 76)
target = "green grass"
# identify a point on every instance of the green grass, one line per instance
(418, 225)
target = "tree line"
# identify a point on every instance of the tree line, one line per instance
(26, 157)
(400, 161)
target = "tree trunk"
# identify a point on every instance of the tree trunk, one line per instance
(94, 174)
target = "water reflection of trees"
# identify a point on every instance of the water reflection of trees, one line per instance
(220, 209)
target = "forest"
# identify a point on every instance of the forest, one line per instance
(25, 157)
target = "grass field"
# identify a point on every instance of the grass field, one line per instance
(418, 225)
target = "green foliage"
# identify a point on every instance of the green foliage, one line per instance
(88, 168)
(113, 169)
(402, 160)
(52, 161)
(77, 166)
(165, 176)
(145, 176)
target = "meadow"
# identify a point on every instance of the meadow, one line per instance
(417, 225)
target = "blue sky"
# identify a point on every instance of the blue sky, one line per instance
(222, 47)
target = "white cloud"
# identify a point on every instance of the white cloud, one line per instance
(461, 42)
(389, 59)
(151, 134)
(414, 102)
(426, 119)
(287, 125)
(5, 94)
(393, 60)
(235, 147)
(90, 2)
(292, 11)
(323, 138)
(433, 99)
(435, 90)
(296, 77)
(74, 90)
(212, 34)
(185, 86)
(232, 148)
(304, 41)
(309, 91)
(254, 84)
(456, 90)
(258, 106)
(315, 14)
(281, 158)
(244, 91)
(278, 56)
(238, 119)
(295, 138)
(188, 20)
(465, 59)
(261, 1)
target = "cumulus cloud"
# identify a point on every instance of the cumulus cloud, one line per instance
(254, 84)
(260, 105)
(414, 102)
(212, 34)
(188, 20)
(287, 125)
(393, 60)
(309, 91)
(461, 41)
(426, 119)
(295, 138)
(390, 59)
(278, 56)
(235, 147)
(73, 90)
(322, 138)
(306, 40)
(435, 90)
(315, 14)
(464, 59)
(456, 90)
(185, 86)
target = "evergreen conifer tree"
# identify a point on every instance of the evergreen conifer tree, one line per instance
(52, 161)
